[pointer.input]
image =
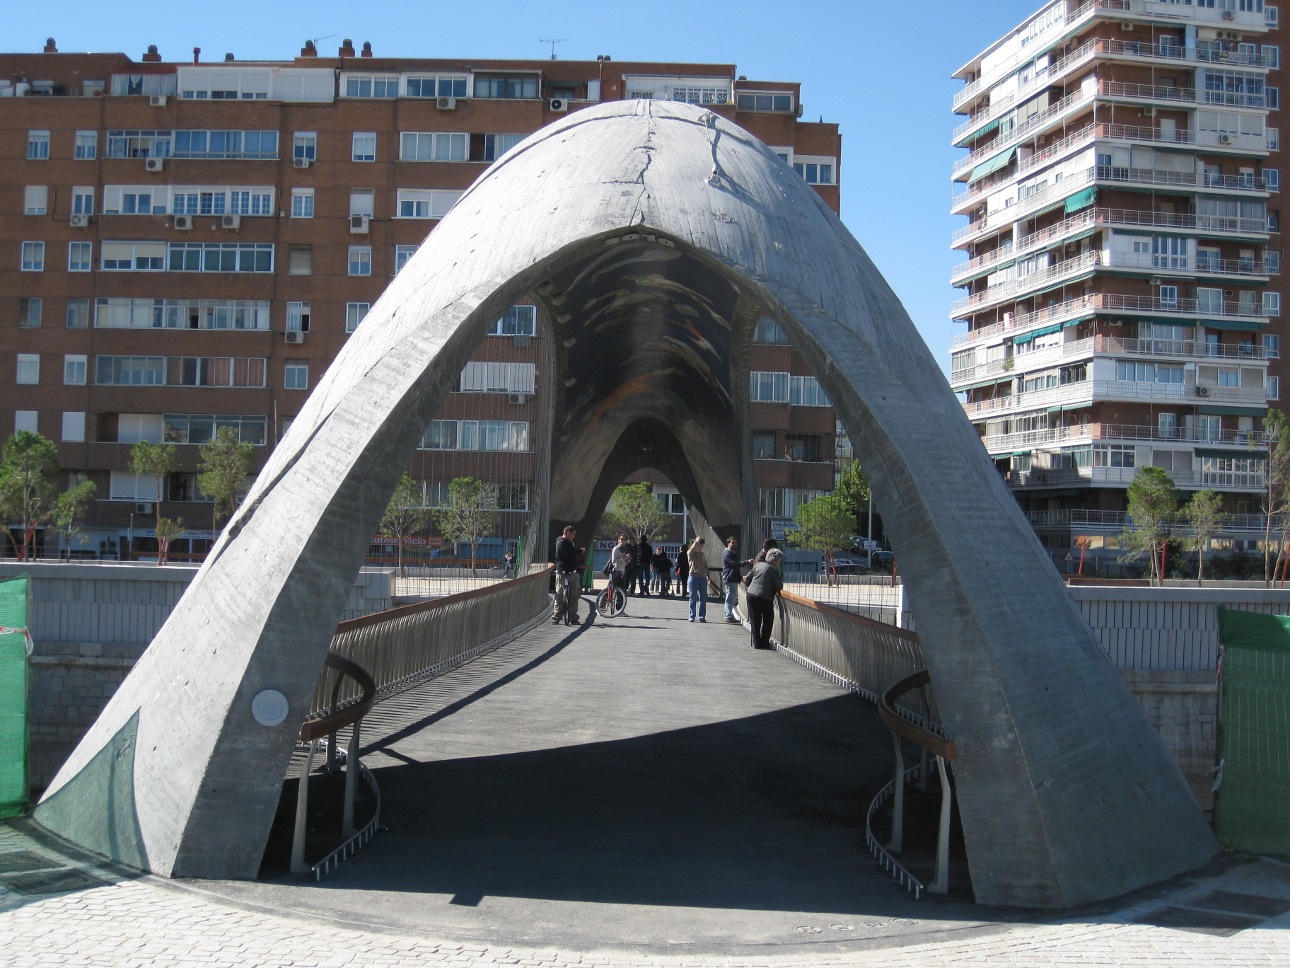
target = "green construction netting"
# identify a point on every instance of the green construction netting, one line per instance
(13, 696)
(1252, 804)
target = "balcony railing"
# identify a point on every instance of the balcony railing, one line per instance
(1027, 206)
(1014, 365)
(1085, 391)
(1036, 122)
(1183, 307)
(1003, 443)
(1187, 95)
(1182, 348)
(1220, 480)
(1119, 519)
(1041, 279)
(1062, 312)
(1193, 266)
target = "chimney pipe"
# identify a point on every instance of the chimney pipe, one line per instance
(309, 50)
(367, 49)
(50, 46)
(229, 58)
(346, 48)
(152, 57)
(197, 53)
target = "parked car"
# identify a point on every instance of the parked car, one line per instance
(883, 559)
(843, 564)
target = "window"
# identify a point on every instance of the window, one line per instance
(227, 144)
(129, 486)
(354, 314)
(1273, 96)
(297, 317)
(304, 144)
(360, 260)
(300, 260)
(133, 371)
(1274, 138)
(1209, 427)
(496, 145)
(1271, 55)
(487, 377)
(190, 200)
(1271, 261)
(25, 420)
(763, 445)
(425, 202)
(697, 94)
(132, 256)
(768, 387)
(504, 86)
(437, 85)
(1115, 455)
(78, 313)
(816, 170)
(513, 497)
(381, 85)
(215, 371)
(434, 146)
(486, 435)
(802, 447)
(80, 256)
(73, 426)
(1274, 388)
(83, 200)
(302, 203)
(1272, 179)
(1130, 372)
(518, 321)
(1271, 304)
(125, 313)
(1271, 346)
(29, 312)
(35, 199)
(1168, 297)
(769, 332)
(296, 376)
(362, 201)
(201, 428)
(751, 101)
(33, 257)
(87, 146)
(38, 145)
(402, 253)
(137, 84)
(28, 369)
(74, 370)
(1167, 425)
(364, 148)
(220, 256)
(804, 391)
(139, 144)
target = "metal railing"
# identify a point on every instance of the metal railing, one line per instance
(1088, 390)
(1044, 278)
(1087, 476)
(1093, 517)
(1105, 431)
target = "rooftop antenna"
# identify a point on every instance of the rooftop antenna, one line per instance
(328, 37)
(559, 40)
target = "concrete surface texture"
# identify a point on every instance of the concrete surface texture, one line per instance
(638, 791)
(1058, 764)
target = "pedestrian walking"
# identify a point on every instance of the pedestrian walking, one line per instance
(663, 569)
(568, 581)
(682, 569)
(730, 580)
(764, 583)
(646, 559)
(632, 566)
(698, 582)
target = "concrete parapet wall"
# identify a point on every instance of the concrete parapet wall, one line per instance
(1183, 706)
(90, 623)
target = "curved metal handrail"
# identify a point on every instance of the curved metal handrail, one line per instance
(352, 711)
(916, 734)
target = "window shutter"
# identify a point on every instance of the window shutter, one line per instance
(300, 260)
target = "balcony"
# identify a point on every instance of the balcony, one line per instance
(1003, 444)
(1089, 476)
(1055, 275)
(1013, 365)
(1032, 204)
(1157, 94)
(1200, 266)
(1062, 312)
(1086, 391)
(1119, 519)
(1189, 308)
(1027, 128)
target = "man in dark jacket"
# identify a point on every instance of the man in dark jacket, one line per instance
(730, 580)
(568, 582)
(646, 559)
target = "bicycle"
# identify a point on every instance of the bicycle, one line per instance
(566, 593)
(611, 601)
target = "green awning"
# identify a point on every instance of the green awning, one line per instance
(985, 130)
(1027, 337)
(1081, 200)
(1072, 322)
(1237, 325)
(1020, 453)
(988, 383)
(1231, 411)
(1054, 409)
(1227, 454)
(1001, 160)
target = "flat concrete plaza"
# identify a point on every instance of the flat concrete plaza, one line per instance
(639, 790)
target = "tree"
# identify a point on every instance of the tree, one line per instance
(635, 510)
(70, 508)
(1153, 503)
(222, 468)
(406, 514)
(1203, 512)
(471, 514)
(167, 531)
(1276, 477)
(853, 488)
(155, 460)
(823, 524)
(28, 492)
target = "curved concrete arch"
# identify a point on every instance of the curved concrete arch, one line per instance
(1067, 794)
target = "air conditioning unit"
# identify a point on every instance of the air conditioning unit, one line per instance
(80, 221)
(231, 222)
(1148, 111)
(558, 104)
(184, 223)
(446, 103)
(157, 100)
(518, 397)
(1229, 14)
(358, 224)
(147, 508)
(154, 164)
(295, 336)
(1224, 138)
(302, 162)
(1202, 391)
(1233, 35)
(1127, 27)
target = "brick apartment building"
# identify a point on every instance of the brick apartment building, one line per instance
(187, 245)
(1123, 267)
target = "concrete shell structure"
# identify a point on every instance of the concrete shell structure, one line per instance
(1067, 795)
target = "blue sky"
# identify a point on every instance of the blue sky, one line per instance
(881, 70)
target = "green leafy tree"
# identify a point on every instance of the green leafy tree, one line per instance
(1153, 504)
(823, 524)
(29, 491)
(168, 529)
(155, 460)
(1276, 486)
(853, 487)
(1204, 514)
(223, 468)
(633, 508)
(406, 514)
(70, 509)
(471, 514)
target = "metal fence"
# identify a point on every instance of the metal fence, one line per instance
(405, 645)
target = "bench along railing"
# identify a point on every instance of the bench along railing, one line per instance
(378, 655)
